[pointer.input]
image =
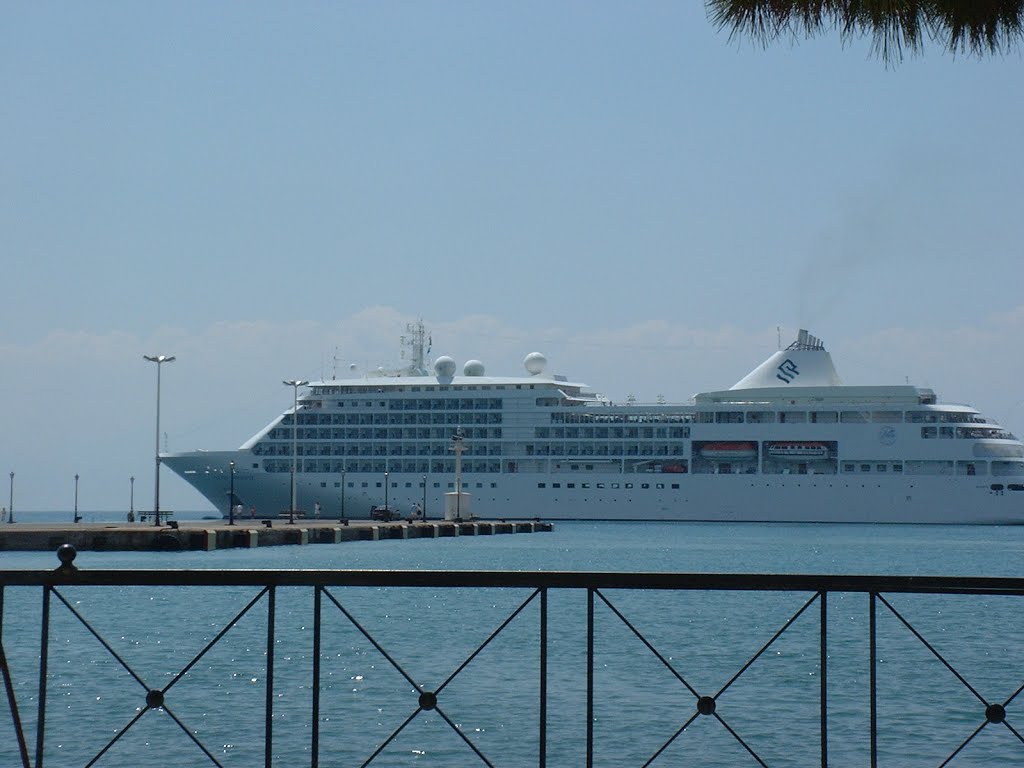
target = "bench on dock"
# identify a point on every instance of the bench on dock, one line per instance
(287, 515)
(143, 517)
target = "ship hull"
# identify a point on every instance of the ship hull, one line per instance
(614, 496)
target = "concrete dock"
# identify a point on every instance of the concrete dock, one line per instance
(207, 535)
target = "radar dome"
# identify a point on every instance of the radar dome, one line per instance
(535, 363)
(473, 368)
(444, 367)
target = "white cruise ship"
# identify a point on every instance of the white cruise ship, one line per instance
(787, 443)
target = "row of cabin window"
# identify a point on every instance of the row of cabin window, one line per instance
(421, 466)
(772, 417)
(450, 485)
(363, 419)
(375, 449)
(605, 449)
(472, 447)
(613, 486)
(913, 467)
(413, 404)
(447, 466)
(649, 433)
(332, 389)
(966, 433)
(382, 433)
(453, 404)
(930, 467)
(639, 417)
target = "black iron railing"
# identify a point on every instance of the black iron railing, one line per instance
(611, 594)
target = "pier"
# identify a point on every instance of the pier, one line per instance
(209, 535)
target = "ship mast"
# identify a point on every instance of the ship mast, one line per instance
(418, 344)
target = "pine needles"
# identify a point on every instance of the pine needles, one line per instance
(972, 27)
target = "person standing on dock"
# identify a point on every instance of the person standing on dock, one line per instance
(316, 511)
(252, 511)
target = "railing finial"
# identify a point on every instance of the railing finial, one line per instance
(66, 553)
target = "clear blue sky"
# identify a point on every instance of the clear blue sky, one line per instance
(259, 187)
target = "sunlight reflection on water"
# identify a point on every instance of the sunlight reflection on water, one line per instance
(640, 703)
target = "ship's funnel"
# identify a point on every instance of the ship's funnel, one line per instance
(805, 363)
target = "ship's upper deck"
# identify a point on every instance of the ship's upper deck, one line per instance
(434, 383)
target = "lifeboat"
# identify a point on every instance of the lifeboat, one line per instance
(798, 451)
(728, 451)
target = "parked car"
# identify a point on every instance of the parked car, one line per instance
(385, 514)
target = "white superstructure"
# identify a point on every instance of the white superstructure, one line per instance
(788, 442)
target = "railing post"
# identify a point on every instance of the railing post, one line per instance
(12, 701)
(590, 677)
(543, 715)
(44, 648)
(268, 746)
(315, 746)
(823, 596)
(872, 682)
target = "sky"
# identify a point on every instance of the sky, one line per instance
(271, 191)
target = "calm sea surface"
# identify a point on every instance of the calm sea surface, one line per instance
(925, 710)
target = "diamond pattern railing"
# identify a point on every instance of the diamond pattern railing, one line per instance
(994, 711)
(426, 700)
(155, 698)
(606, 595)
(707, 705)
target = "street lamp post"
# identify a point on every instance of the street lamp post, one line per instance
(159, 360)
(131, 503)
(458, 447)
(77, 518)
(424, 510)
(10, 502)
(387, 510)
(294, 384)
(343, 496)
(231, 495)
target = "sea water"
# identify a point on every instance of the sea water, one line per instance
(654, 654)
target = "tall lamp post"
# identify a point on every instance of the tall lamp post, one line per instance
(343, 496)
(77, 518)
(294, 384)
(387, 510)
(231, 495)
(424, 510)
(159, 360)
(10, 502)
(131, 503)
(458, 447)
